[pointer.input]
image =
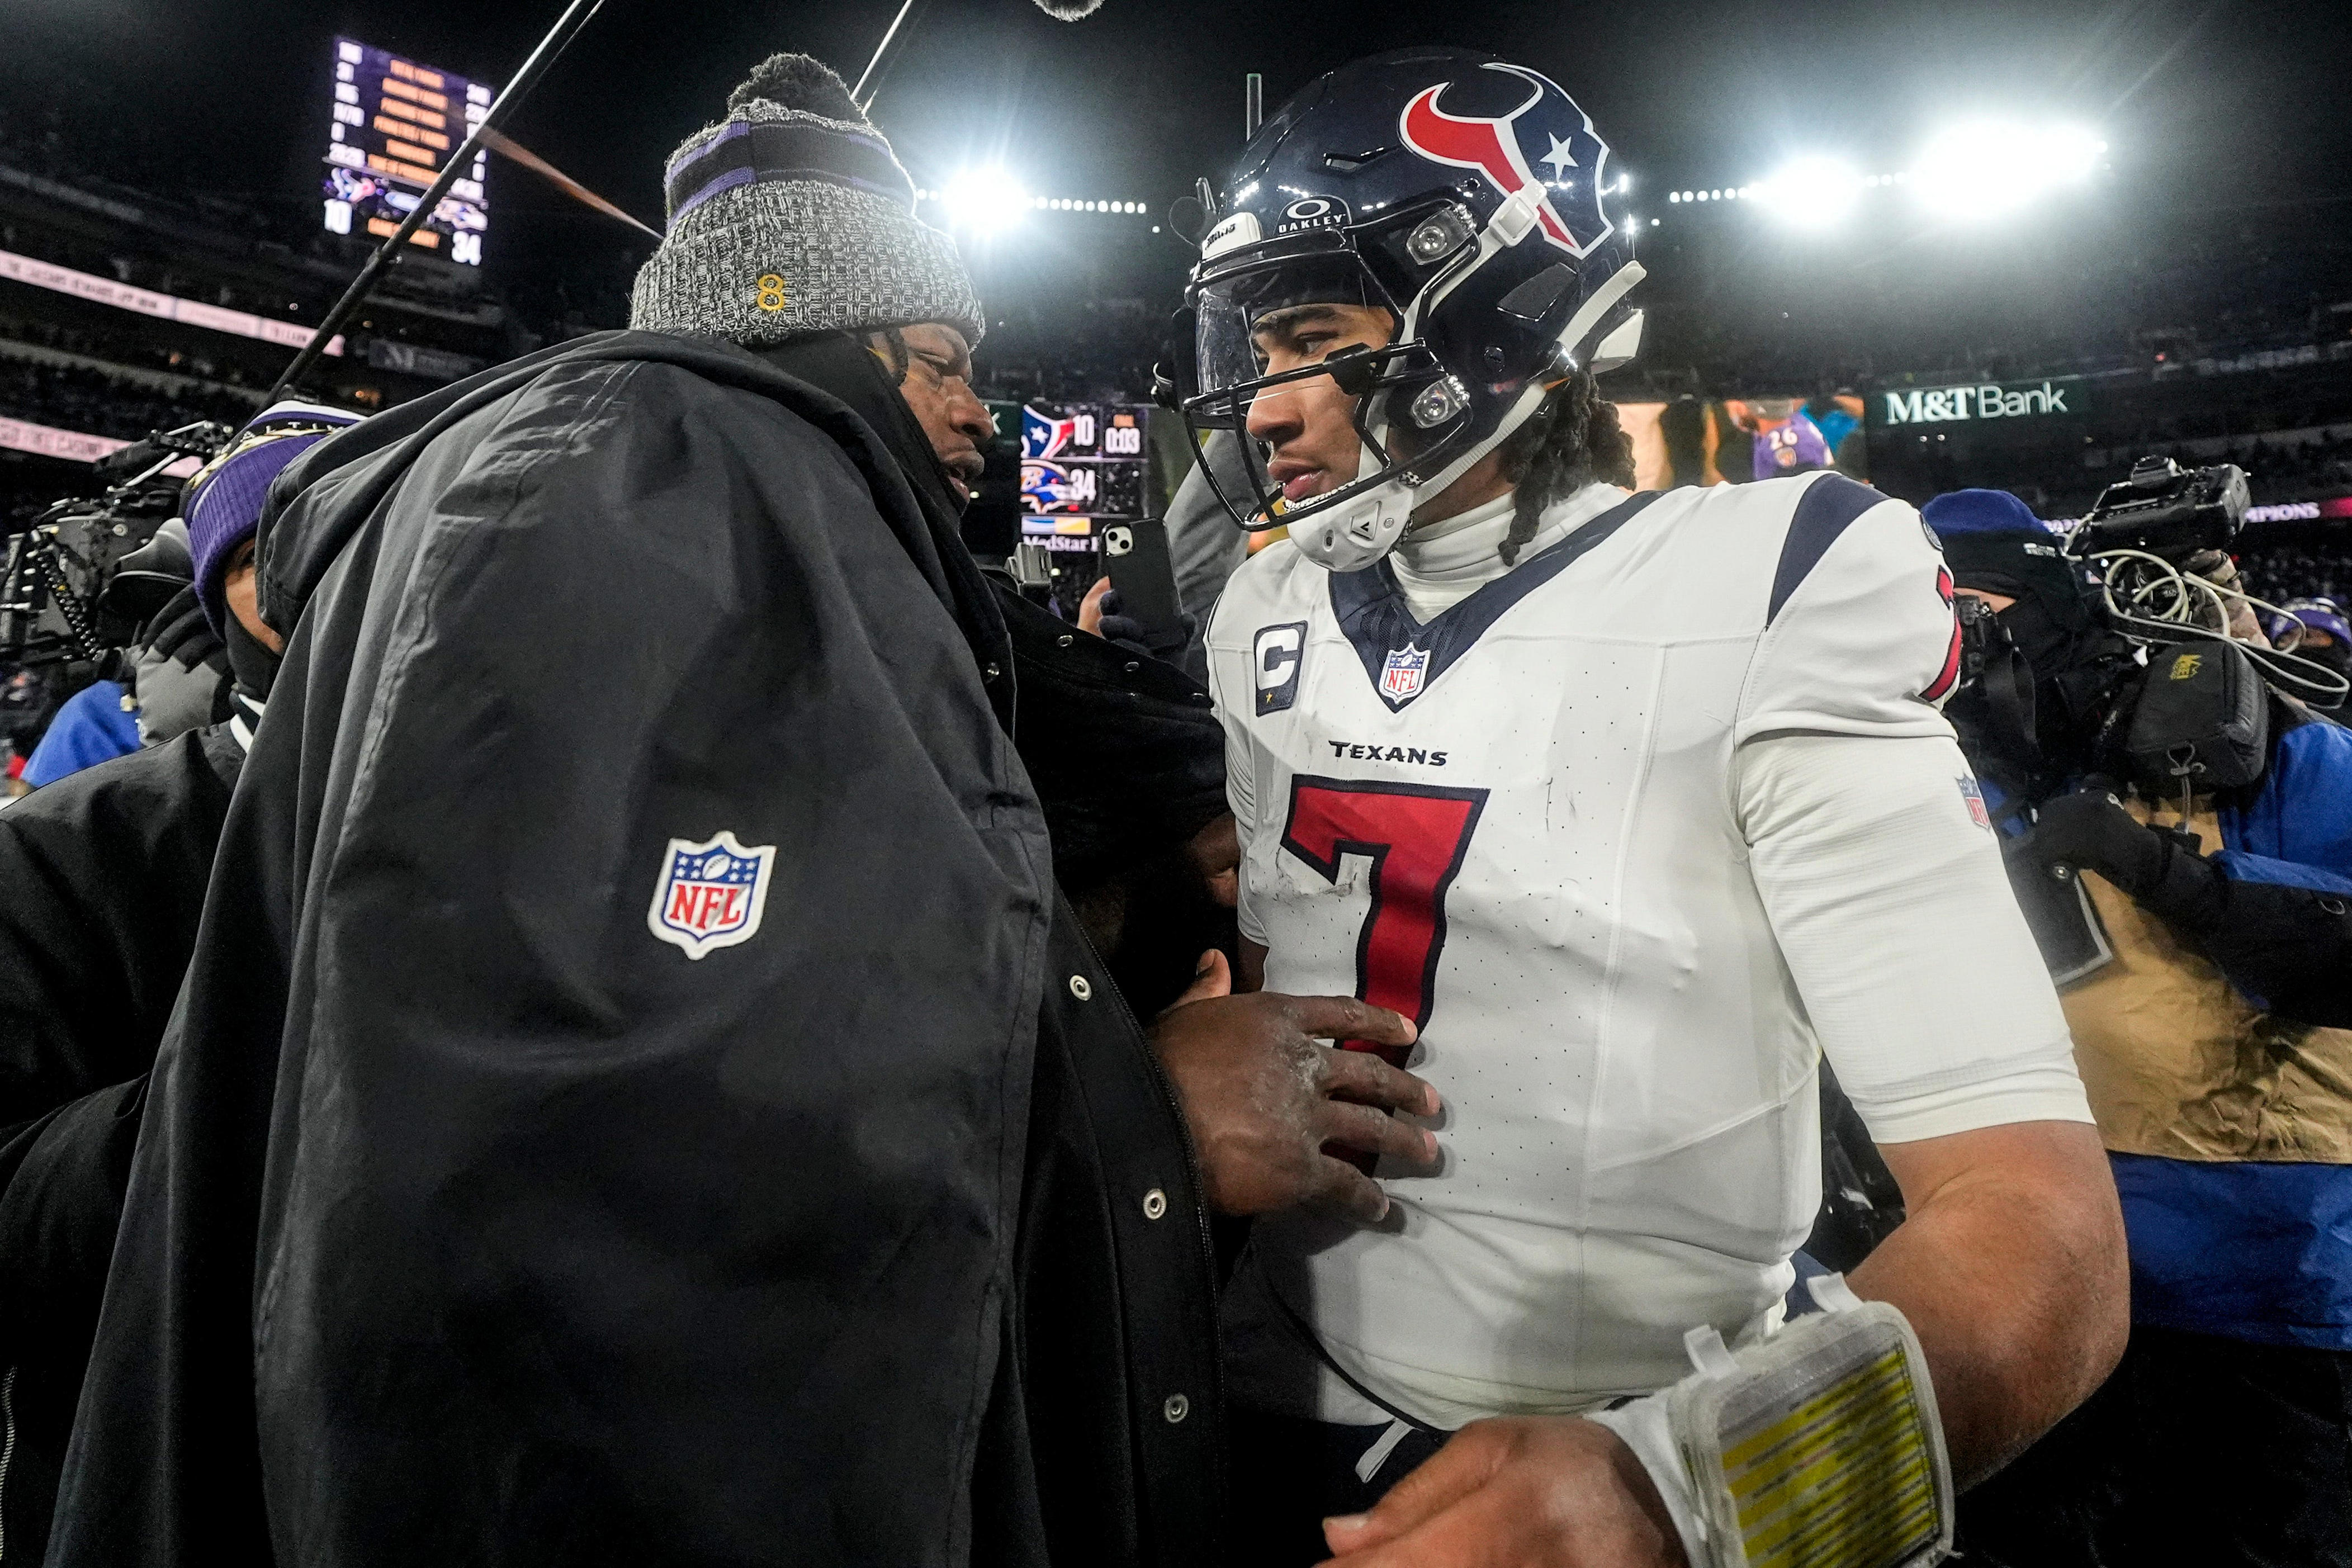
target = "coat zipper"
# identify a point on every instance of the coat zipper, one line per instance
(8, 1450)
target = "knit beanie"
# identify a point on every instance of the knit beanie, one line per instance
(223, 503)
(793, 216)
(2319, 615)
(1993, 543)
(1958, 512)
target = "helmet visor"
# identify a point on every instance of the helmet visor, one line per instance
(1233, 308)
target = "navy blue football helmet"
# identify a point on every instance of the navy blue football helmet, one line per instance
(1469, 198)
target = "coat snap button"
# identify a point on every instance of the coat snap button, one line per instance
(1177, 1408)
(1081, 987)
(1064, 639)
(1155, 1203)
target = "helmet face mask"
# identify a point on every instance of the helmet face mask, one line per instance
(1228, 306)
(1369, 190)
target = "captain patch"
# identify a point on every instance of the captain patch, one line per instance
(1276, 654)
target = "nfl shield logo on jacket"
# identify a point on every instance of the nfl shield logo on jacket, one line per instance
(709, 894)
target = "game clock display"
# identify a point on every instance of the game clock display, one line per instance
(394, 124)
(1081, 463)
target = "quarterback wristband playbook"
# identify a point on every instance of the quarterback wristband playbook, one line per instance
(1818, 1447)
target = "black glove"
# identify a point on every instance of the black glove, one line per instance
(1128, 632)
(180, 632)
(2287, 949)
(2158, 868)
(2090, 832)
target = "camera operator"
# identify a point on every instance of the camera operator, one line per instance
(180, 672)
(175, 673)
(2318, 630)
(97, 596)
(106, 871)
(2209, 1017)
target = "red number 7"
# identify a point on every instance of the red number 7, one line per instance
(1415, 836)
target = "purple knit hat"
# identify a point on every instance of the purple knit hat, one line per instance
(2321, 615)
(223, 503)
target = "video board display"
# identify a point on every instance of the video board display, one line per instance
(1081, 463)
(396, 123)
(1733, 441)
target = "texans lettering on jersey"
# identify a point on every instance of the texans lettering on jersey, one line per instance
(1515, 824)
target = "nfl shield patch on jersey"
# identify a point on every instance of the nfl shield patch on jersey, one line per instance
(709, 894)
(1401, 676)
(1973, 796)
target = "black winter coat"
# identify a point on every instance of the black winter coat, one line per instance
(102, 876)
(472, 1222)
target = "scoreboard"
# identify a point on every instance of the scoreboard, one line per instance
(1081, 463)
(395, 124)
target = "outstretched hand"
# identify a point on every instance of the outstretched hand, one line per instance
(1263, 1098)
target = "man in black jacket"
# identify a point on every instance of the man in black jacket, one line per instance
(704, 1137)
(106, 871)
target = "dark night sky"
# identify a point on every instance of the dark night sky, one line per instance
(2210, 104)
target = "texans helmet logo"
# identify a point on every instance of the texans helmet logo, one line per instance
(1549, 124)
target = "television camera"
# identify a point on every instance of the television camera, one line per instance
(2156, 546)
(71, 591)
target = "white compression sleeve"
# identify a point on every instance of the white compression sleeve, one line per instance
(1893, 910)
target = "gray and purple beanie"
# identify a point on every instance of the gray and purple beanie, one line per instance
(794, 216)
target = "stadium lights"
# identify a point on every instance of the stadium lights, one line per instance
(984, 200)
(991, 199)
(1987, 169)
(1978, 169)
(1812, 192)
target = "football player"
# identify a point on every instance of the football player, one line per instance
(1637, 804)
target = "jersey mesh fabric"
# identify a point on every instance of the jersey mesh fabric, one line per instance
(1626, 1038)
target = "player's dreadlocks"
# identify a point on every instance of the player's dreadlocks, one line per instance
(1572, 440)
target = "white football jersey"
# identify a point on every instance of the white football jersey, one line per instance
(1518, 825)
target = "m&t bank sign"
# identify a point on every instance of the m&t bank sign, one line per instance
(1988, 400)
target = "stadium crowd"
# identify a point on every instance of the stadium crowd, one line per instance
(84, 398)
(397, 1164)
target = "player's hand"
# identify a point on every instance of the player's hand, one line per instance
(1523, 1491)
(1216, 854)
(1262, 1097)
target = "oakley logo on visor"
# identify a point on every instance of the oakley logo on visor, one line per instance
(1313, 212)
